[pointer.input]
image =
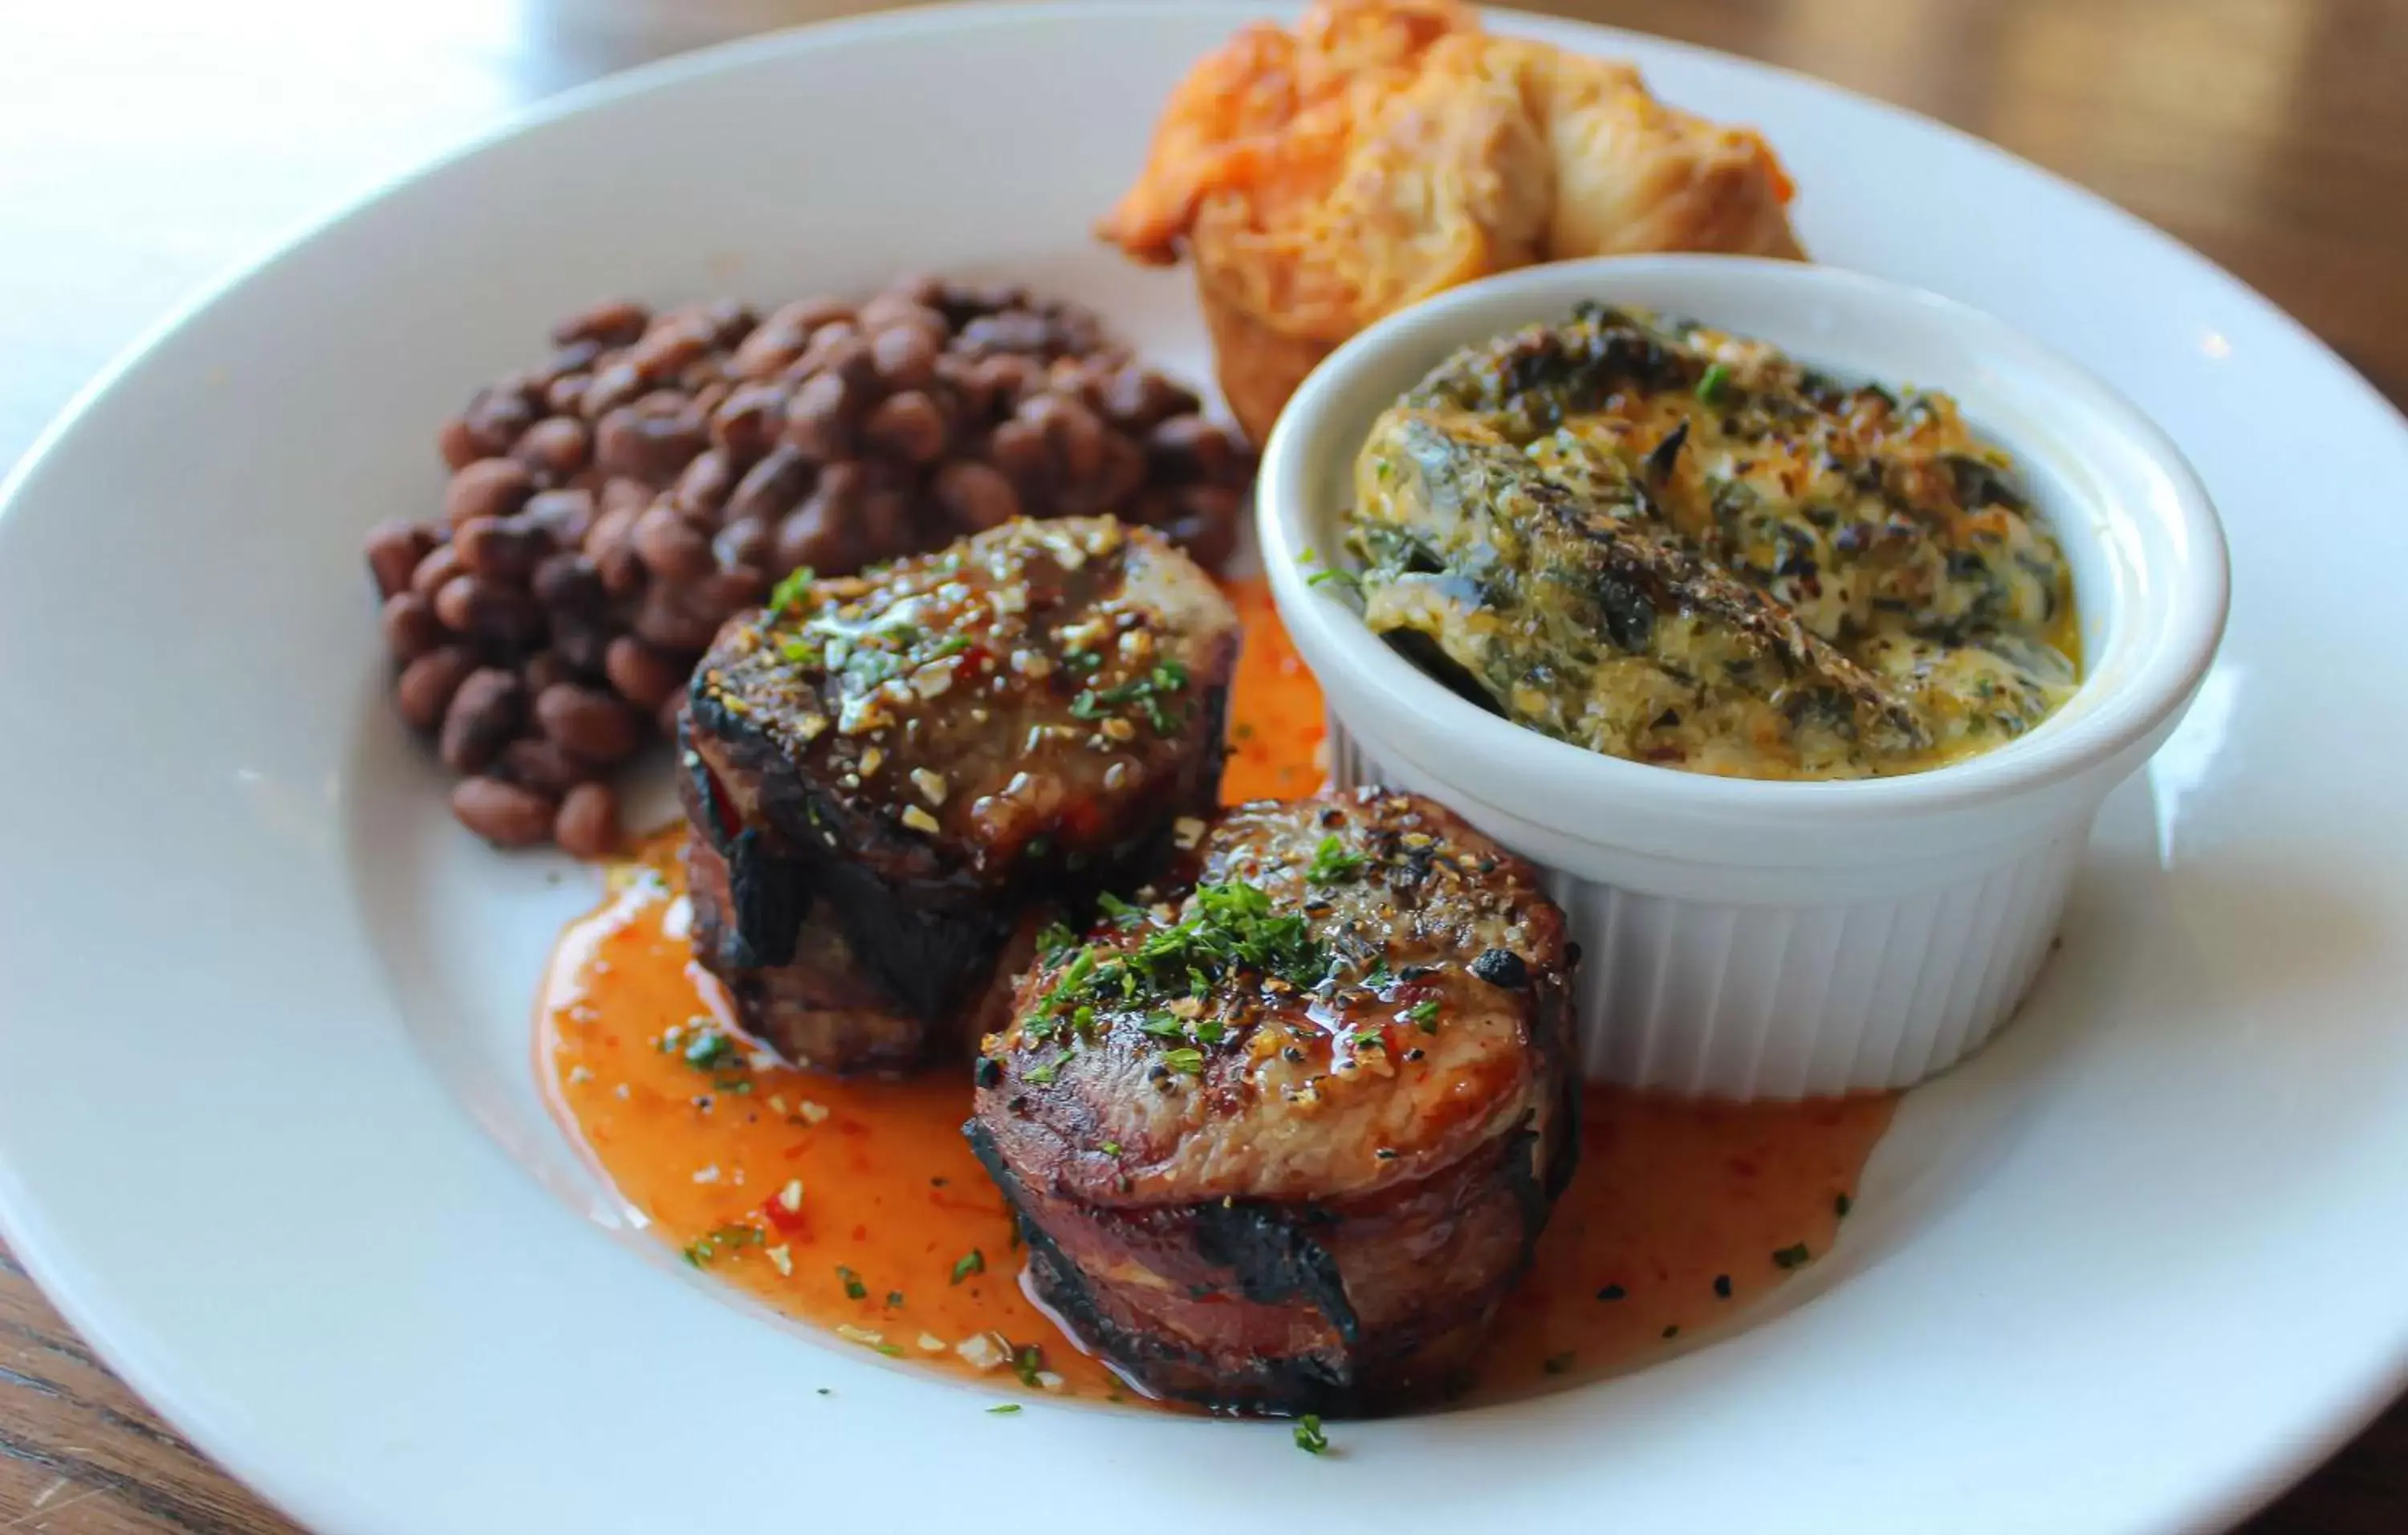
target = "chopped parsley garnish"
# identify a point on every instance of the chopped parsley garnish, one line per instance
(853, 1288)
(1162, 1025)
(1331, 862)
(1119, 913)
(1377, 975)
(710, 1244)
(953, 645)
(1232, 930)
(1109, 1148)
(971, 1262)
(1309, 1437)
(1026, 1360)
(1055, 942)
(1042, 1075)
(1424, 1015)
(1791, 1257)
(1710, 387)
(705, 1047)
(1186, 1058)
(895, 1297)
(788, 594)
(1150, 693)
(1371, 1039)
(1004, 1409)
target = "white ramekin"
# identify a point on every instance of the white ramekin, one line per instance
(1771, 940)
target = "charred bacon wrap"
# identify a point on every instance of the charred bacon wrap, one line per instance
(893, 778)
(1283, 1139)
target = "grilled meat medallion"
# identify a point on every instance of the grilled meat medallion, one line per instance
(890, 776)
(1679, 547)
(1283, 1140)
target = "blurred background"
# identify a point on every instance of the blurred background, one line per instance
(148, 147)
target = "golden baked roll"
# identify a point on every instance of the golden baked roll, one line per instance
(1388, 150)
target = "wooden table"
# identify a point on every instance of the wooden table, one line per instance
(144, 147)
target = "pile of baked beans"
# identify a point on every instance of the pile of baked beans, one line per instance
(609, 509)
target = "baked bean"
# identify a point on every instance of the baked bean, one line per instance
(1191, 447)
(746, 426)
(671, 547)
(587, 825)
(587, 721)
(634, 494)
(650, 440)
(483, 715)
(490, 610)
(817, 418)
(709, 397)
(394, 549)
(424, 689)
(582, 640)
(458, 443)
(771, 486)
(555, 447)
(1122, 474)
(544, 669)
(496, 415)
(410, 627)
(545, 766)
(904, 355)
(1011, 380)
(612, 388)
(977, 496)
(611, 545)
(909, 425)
(745, 540)
(668, 619)
(490, 487)
(1137, 398)
(1018, 448)
(724, 594)
(669, 347)
(1073, 434)
(1207, 523)
(899, 306)
(502, 549)
(613, 324)
(643, 675)
(885, 527)
(965, 378)
(1013, 331)
(564, 514)
(848, 358)
(702, 487)
(576, 357)
(818, 534)
(565, 395)
(507, 815)
(769, 351)
(730, 321)
(569, 583)
(440, 564)
(824, 339)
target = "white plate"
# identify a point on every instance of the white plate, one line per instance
(267, 1127)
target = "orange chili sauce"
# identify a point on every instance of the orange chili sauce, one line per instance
(856, 1205)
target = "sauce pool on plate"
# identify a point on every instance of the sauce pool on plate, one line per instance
(856, 1205)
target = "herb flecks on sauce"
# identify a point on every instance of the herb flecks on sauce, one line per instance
(875, 1175)
(1679, 547)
